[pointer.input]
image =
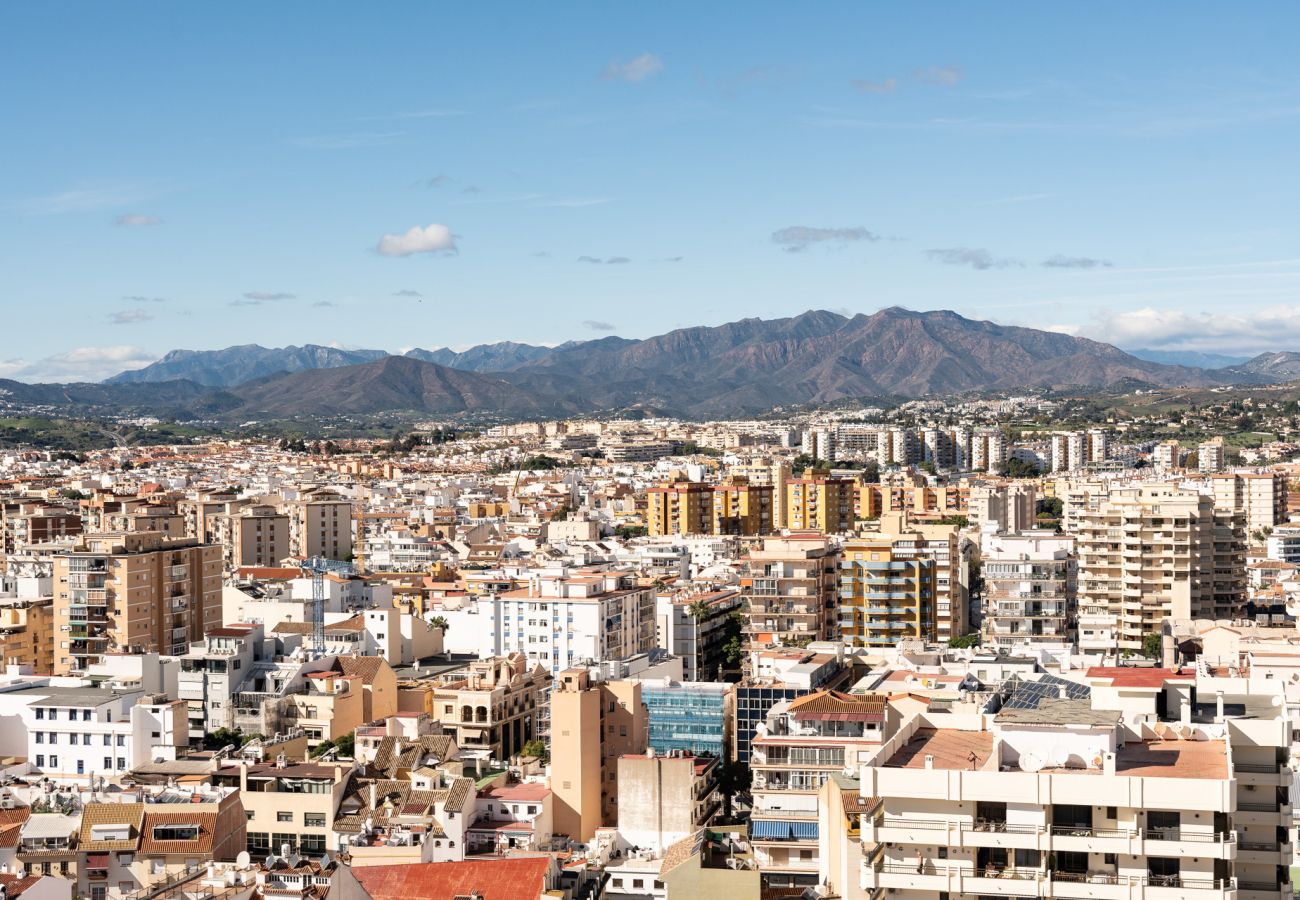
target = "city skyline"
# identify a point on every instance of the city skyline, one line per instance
(198, 179)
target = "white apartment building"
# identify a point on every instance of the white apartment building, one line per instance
(1151, 552)
(1283, 544)
(564, 619)
(1030, 585)
(1142, 791)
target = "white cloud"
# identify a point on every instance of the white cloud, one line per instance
(431, 239)
(81, 364)
(129, 316)
(796, 238)
(135, 220)
(888, 86)
(944, 76)
(975, 257)
(1272, 328)
(637, 69)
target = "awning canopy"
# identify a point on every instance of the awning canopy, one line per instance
(783, 831)
(96, 860)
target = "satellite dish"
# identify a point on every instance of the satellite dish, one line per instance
(1059, 757)
(1030, 762)
(243, 860)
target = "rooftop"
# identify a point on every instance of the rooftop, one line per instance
(950, 747)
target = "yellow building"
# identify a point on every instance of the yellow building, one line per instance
(740, 507)
(884, 597)
(27, 633)
(818, 502)
(680, 507)
(593, 723)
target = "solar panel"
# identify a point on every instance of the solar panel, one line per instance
(1030, 694)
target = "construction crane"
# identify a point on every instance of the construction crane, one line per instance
(316, 568)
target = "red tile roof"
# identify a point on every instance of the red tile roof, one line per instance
(496, 879)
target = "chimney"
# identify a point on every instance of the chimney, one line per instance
(1185, 711)
(929, 761)
(1062, 692)
(1218, 707)
(1108, 763)
(374, 795)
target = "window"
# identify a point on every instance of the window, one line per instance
(284, 817)
(85, 715)
(40, 713)
(175, 832)
(108, 740)
(40, 737)
(312, 843)
(313, 820)
(54, 762)
(259, 842)
(121, 740)
(108, 762)
(121, 762)
(40, 762)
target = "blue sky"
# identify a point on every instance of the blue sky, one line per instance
(178, 175)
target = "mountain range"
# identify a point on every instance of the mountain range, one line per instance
(740, 368)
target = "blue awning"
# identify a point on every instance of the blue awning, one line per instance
(783, 831)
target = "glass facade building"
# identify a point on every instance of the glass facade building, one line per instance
(689, 716)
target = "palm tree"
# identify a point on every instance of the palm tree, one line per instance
(440, 622)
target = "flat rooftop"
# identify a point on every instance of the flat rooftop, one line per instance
(950, 747)
(1173, 759)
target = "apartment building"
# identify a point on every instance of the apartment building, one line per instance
(1259, 497)
(593, 724)
(321, 526)
(133, 593)
(664, 799)
(818, 502)
(779, 675)
(696, 626)
(1071, 451)
(1140, 790)
(742, 508)
(493, 707)
(988, 450)
(772, 472)
(27, 622)
(693, 717)
(287, 803)
(795, 751)
(1031, 585)
(565, 618)
(884, 597)
(1151, 552)
(1209, 456)
(949, 549)
(1008, 507)
(790, 585)
(24, 525)
(682, 507)
(259, 537)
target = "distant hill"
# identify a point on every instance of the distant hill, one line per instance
(739, 368)
(1189, 358)
(237, 365)
(752, 365)
(483, 358)
(1268, 368)
(390, 384)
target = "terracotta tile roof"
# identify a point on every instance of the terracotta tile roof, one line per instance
(680, 852)
(950, 747)
(15, 816)
(10, 834)
(520, 878)
(365, 666)
(839, 706)
(14, 885)
(206, 821)
(93, 814)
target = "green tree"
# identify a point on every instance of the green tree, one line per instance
(223, 737)
(1152, 646)
(733, 778)
(630, 531)
(964, 641)
(440, 622)
(537, 748)
(346, 745)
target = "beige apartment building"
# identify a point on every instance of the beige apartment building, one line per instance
(27, 633)
(790, 583)
(494, 706)
(259, 536)
(133, 593)
(1031, 585)
(593, 724)
(885, 598)
(1260, 498)
(1151, 552)
(321, 527)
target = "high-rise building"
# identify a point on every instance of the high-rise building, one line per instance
(1209, 456)
(774, 473)
(951, 551)
(260, 537)
(818, 502)
(1151, 552)
(790, 584)
(133, 593)
(1007, 507)
(1260, 497)
(682, 507)
(884, 597)
(1030, 584)
(593, 723)
(321, 527)
(689, 716)
(739, 507)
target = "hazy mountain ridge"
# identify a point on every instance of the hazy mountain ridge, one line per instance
(738, 368)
